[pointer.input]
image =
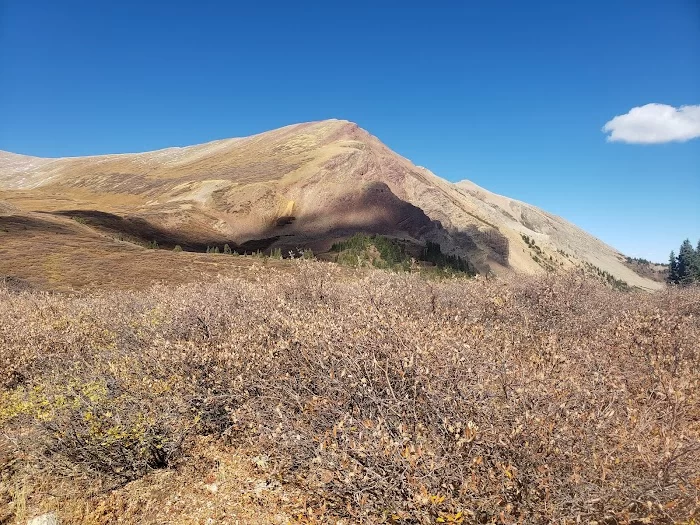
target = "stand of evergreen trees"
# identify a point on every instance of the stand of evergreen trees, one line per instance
(433, 253)
(393, 254)
(684, 268)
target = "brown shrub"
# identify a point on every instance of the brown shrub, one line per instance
(387, 398)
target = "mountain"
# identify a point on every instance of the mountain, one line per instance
(305, 185)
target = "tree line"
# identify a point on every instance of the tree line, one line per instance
(684, 268)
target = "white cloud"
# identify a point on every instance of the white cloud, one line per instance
(655, 124)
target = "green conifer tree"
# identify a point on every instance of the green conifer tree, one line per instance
(686, 263)
(672, 269)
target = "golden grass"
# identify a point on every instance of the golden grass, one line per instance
(60, 254)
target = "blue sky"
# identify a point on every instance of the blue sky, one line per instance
(512, 95)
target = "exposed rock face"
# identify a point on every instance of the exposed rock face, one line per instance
(304, 185)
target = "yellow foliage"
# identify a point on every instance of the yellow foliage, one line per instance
(451, 518)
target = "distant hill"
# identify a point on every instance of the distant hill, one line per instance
(306, 185)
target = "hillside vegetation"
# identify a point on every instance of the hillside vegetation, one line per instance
(327, 396)
(385, 253)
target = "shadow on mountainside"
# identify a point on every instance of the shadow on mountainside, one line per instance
(374, 210)
(140, 230)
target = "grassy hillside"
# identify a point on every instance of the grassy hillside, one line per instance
(320, 395)
(69, 254)
(655, 271)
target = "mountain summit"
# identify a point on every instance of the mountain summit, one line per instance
(304, 185)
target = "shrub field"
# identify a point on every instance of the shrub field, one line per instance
(375, 397)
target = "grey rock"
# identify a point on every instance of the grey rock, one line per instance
(45, 519)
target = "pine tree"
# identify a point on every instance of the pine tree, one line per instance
(686, 263)
(672, 269)
(227, 249)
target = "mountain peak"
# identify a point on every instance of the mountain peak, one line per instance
(306, 184)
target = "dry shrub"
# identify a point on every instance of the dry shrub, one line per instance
(387, 398)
